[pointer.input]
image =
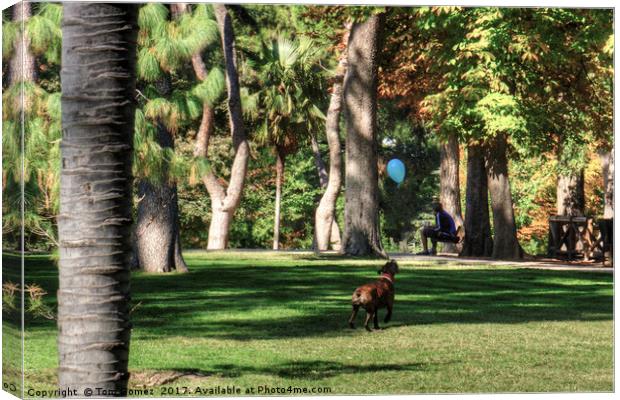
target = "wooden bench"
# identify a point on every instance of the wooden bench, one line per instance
(574, 237)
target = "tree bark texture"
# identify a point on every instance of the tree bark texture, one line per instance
(98, 88)
(505, 243)
(157, 229)
(22, 65)
(224, 201)
(279, 179)
(361, 230)
(450, 191)
(607, 164)
(326, 230)
(478, 242)
(570, 196)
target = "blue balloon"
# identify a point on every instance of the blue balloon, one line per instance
(396, 170)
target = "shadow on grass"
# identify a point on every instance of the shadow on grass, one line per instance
(315, 369)
(237, 299)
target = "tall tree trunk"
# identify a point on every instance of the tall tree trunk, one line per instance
(22, 66)
(607, 164)
(225, 202)
(279, 179)
(450, 191)
(361, 230)
(326, 230)
(505, 243)
(157, 229)
(98, 108)
(220, 219)
(570, 196)
(331, 237)
(478, 242)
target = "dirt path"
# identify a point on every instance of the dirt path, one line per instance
(542, 263)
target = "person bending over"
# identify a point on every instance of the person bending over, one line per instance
(444, 231)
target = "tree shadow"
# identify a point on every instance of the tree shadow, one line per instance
(314, 369)
(244, 302)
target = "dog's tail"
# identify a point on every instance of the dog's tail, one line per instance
(360, 297)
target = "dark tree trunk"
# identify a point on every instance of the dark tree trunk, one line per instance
(22, 66)
(607, 164)
(505, 243)
(224, 201)
(570, 197)
(279, 180)
(361, 230)
(478, 242)
(157, 233)
(157, 226)
(98, 89)
(326, 230)
(450, 191)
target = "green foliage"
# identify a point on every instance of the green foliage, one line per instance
(211, 89)
(253, 223)
(147, 66)
(167, 45)
(290, 89)
(41, 132)
(45, 33)
(10, 31)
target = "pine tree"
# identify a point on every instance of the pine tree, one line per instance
(166, 44)
(31, 42)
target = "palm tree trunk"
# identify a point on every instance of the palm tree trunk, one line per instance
(505, 243)
(450, 191)
(279, 180)
(326, 229)
(478, 242)
(225, 202)
(98, 86)
(361, 214)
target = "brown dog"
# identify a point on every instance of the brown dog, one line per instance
(374, 296)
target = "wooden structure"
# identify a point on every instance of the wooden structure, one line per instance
(573, 237)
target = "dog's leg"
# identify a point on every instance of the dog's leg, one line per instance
(353, 315)
(388, 316)
(376, 320)
(369, 315)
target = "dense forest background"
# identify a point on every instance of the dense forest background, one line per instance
(554, 97)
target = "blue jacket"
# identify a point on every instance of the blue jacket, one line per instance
(445, 223)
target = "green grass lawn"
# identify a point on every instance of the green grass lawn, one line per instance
(254, 319)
